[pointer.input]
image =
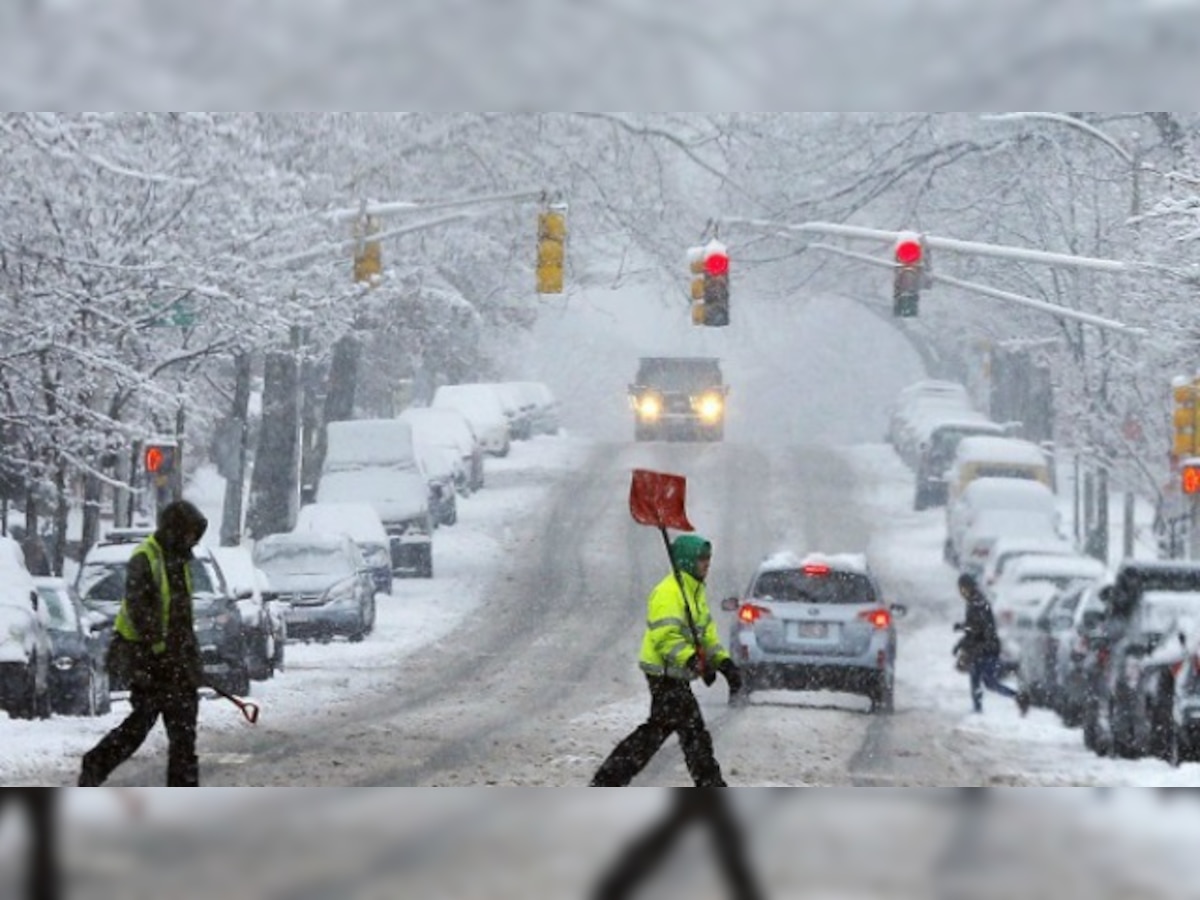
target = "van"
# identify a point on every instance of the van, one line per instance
(373, 461)
(982, 456)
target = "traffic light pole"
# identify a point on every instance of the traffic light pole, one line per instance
(996, 293)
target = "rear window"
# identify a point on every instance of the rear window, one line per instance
(798, 586)
(1002, 471)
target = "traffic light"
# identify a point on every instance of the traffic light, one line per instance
(1189, 478)
(1183, 393)
(909, 276)
(716, 284)
(368, 256)
(552, 249)
(161, 460)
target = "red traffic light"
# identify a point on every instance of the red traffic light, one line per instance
(1190, 479)
(154, 459)
(716, 264)
(908, 253)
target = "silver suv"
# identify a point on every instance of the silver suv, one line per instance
(816, 622)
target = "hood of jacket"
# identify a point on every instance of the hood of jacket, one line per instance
(687, 550)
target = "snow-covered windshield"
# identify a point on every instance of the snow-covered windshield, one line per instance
(59, 608)
(290, 564)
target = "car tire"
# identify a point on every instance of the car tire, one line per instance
(425, 563)
(452, 516)
(258, 663)
(920, 501)
(883, 695)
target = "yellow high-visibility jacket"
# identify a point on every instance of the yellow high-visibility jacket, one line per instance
(668, 644)
(124, 624)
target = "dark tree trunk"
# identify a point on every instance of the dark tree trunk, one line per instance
(273, 488)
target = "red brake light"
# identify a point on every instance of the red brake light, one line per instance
(749, 613)
(816, 569)
(880, 618)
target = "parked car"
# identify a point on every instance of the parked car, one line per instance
(995, 457)
(817, 622)
(264, 622)
(936, 451)
(217, 621)
(916, 401)
(26, 650)
(361, 524)
(324, 580)
(1041, 650)
(1129, 713)
(518, 407)
(79, 648)
(995, 508)
(448, 427)
(375, 461)
(480, 405)
(1058, 571)
(1072, 668)
(1185, 713)
(442, 470)
(545, 418)
(1006, 551)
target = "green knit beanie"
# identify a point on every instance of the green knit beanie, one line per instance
(687, 549)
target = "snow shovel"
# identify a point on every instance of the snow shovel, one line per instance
(248, 708)
(658, 499)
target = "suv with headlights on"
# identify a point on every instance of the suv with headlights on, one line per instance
(816, 622)
(678, 398)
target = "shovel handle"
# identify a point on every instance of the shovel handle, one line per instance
(248, 708)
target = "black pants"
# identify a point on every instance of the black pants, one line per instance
(673, 709)
(42, 880)
(179, 707)
(650, 850)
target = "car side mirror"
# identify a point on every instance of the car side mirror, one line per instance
(899, 610)
(731, 604)
(245, 595)
(35, 601)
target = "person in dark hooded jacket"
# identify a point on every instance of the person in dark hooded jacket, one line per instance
(680, 644)
(980, 646)
(155, 645)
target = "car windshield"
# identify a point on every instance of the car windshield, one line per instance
(797, 586)
(678, 375)
(105, 582)
(299, 560)
(59, 609)
(1164, 610)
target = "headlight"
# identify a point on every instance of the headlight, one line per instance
(340, 593)
(64, 663)
(710, 407)
(649, 406)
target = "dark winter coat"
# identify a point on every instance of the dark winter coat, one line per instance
(980, 639)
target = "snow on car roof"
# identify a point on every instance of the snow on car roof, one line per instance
(1050, 564)
(111, 554)
(1023, 492)
(984, 448)
(358, 520)
(843, 562)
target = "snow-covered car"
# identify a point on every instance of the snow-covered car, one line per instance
(1059, 571)
(375, 461)
(480, 405)
(26, 650)
(983, 456)
(1007, 501)
(79, 644)
(217, 621)
(447, 427)
(442, 470)
(263, 620)
(1074, 667)
(937, 446)
(1006, 551)
(518, 408)
(815, 622)
(544, 418)
(323, 579)
(1043, 662)
(361, 523)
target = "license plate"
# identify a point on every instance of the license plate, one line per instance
(810, 631)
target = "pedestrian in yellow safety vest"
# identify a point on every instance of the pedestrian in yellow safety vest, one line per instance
(680, 644)
(154, 646)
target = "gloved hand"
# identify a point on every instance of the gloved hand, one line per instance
(703, 672)
(733, 677)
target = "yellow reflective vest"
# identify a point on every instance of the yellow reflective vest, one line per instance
(124, 624)
(669, 644)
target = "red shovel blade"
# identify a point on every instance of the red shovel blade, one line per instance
(656, 498)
